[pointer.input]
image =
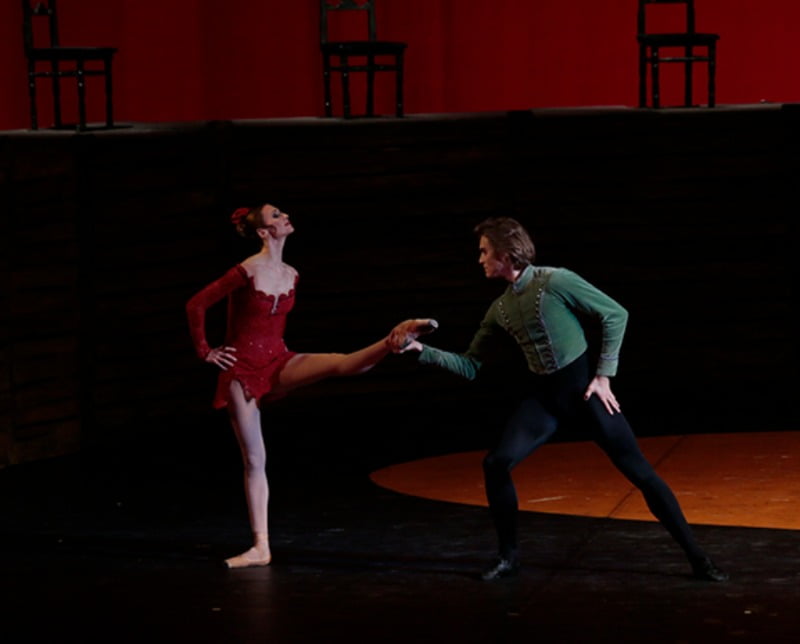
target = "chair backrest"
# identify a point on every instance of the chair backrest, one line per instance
(687, 16)
(328, 6)
(43, 11)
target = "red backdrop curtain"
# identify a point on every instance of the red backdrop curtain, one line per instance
(187, 60)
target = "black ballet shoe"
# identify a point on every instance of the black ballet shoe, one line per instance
(707, 570)
(501, 569)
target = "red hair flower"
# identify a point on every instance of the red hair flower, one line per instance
(238, 215)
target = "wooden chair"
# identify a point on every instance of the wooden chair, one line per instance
(56, 62)
(371, 56)
(683, 43)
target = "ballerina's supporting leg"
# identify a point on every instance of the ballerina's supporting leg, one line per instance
(246, 421)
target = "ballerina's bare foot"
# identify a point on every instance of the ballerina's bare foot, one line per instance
(256, 556)
(408, 331)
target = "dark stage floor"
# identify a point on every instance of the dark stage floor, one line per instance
(131, 551)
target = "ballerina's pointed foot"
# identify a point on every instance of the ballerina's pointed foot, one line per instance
(406, 332)
(421, 326)
(250, 559)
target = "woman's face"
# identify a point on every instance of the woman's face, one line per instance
(276, 222)
(493, 264)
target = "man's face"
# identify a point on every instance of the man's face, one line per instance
(493, 265)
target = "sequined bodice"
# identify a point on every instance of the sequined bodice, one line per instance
(257, 321)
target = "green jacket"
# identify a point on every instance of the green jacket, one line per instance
(540, 311)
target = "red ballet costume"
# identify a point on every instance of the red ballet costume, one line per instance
(255, 327)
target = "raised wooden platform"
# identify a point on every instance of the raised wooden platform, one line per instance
(744, 479)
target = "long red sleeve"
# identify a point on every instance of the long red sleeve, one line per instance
(199, 303)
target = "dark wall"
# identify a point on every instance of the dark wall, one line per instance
(681, 215)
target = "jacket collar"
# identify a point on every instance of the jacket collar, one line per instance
(523, 280)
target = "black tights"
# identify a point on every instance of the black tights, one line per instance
(558, 397)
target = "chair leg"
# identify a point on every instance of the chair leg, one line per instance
(32, 96)
(688, 79)
(345, 87)
(370, 106)
(56, 95)
(712, 72)
(642, 76)
(326, 82)
(109, 97)
(399, 86)
(655, 81)
(80, 77)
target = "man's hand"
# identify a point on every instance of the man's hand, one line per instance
(601, 386)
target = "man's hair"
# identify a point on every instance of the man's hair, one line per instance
(508, 237)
